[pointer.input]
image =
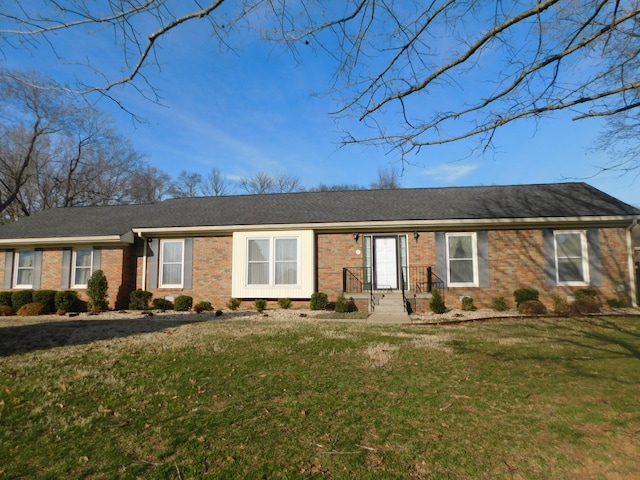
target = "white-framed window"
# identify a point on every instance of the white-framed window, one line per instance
(273, 261)
(82, 266)
(572, 263)
(462, 259)
(171, 263)
(24, 271)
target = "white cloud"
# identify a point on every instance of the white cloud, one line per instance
(450, 172)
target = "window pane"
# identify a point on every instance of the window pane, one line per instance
(286, 264)
(26, 259)
(258, 274)
(24, 271)
(172, 274)
(286, 249)
(81, 276)
(83, 258)
(460, 247)
(259, 250)
(569, 245)
(461, 271)
(570, 270)
(286, 273)
(24, 276)
(172, 252)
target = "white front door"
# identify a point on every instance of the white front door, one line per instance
(386, 262)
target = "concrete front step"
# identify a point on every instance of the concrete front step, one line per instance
(389, 303)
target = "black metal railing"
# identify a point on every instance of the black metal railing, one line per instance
(417, 278)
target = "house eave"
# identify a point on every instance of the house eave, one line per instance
(126, 238)
(382, 226)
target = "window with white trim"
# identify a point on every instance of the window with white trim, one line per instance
(82, 266)
(462, 260)
(24, 269)
(272, 261)
(571, 258)
(171, 263)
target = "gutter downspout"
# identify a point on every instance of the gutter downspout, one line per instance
(632, 267)
(144, 261)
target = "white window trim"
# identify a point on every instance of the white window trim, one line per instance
(74, 266)
(272, 262)
(161, 269)
(15, 270)
(585, 258)
(474, 258)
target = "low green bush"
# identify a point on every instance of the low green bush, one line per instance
(525, 294)
(205, 306)
(161, 304)
(5, 299)
(616, 303)
(532, 307)
(499, 304)
(47, 298)
(66, 300)
(319, 301)
(234, 303)
(562, 307)
(437, 304)
(139, 299)
(260, 304)
(343, 305)
(585, 293)
(32, 309)
(467, 304)
(20, 298)
(183, 303)
(284, 303)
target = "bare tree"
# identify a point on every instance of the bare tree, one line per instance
(258, 183)
(56, 151)
(286, 183)
(148, 185)
(188, 184)
(504, 61)
(388, 179)
(336, 188)
(216, 184)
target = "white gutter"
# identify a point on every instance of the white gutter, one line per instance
(82, 240)
(632, 267)
(382, 225)
(144, 261)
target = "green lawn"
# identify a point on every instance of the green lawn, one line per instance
(512, 399)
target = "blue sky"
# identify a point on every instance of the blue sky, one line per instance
(258, 109)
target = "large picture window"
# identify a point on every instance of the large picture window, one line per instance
(82, 266)
(25, 269)
(272, 261)
(571, 258)
(462, 259)
(171, 263)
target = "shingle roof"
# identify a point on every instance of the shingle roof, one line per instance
(559, 200)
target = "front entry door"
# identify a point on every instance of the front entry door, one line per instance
(386, 262)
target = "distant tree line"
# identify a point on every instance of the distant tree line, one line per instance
(56, 150)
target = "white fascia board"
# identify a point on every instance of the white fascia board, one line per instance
(429, 225)
(126, 238)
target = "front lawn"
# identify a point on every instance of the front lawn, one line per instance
(514, 399)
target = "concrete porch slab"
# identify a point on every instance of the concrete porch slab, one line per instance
(393, 318)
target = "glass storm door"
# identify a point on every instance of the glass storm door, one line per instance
(386, 262)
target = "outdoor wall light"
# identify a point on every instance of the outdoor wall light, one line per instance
(416, 235)
(356, 236)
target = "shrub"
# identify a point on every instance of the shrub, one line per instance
(561, 307)
(525, 294)
(161, 304)
(205, 306)
(234, 303)
(260, 304)
(197, 308)
(97, 287)
(5, 299)
(218, 313)
(467, 304)
(47, 298)
(437, 303)
(343, 305)
(66, 300)
(31, 310)
(284, 303)
(532, 307)
(319, 301)
(6, 310)
(139, 299)
(20, 298)
(587, 304)
(585, 293)
(499, 304)
(183, 303)
(616, 303)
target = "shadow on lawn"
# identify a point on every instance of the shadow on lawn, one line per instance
(26, 338)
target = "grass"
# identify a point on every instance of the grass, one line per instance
(516, 399)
